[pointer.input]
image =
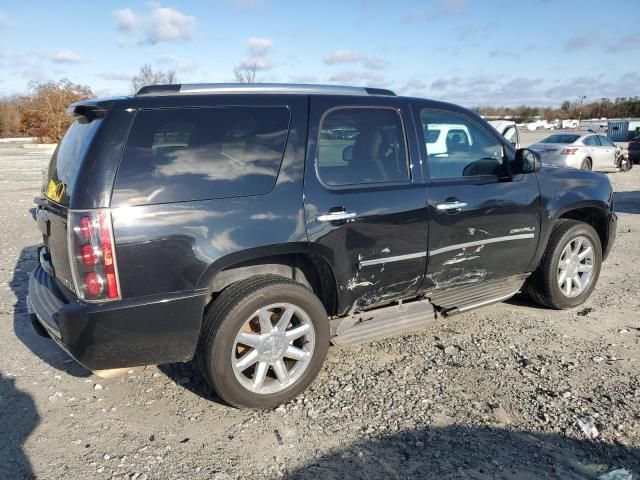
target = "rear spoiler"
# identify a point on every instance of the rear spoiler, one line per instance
(91, 109)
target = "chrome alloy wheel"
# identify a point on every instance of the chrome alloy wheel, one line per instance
(273, 348)
(575, 267)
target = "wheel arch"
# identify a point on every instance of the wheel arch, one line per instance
(296, 261)
(594, 216)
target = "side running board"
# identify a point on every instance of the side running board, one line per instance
(407, 317)
(367, 326)
(462, 299)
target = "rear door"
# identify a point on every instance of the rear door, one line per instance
(482, 224)
(364, 198)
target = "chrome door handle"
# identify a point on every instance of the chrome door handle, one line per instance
(336, 216)
(450, 206)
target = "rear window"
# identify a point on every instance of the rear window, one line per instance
(560, 139)
(67, 159)
(186, 154)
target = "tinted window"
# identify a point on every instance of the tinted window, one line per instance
(560, 139)
(201, 153)
(467, 149)
(591, 141)
(66, 160)
(606, 142)
(369, 148)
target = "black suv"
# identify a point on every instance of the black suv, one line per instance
(248, 226)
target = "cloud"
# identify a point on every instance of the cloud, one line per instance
(580, 42)
(498, 53)
(4, 19)
(303, 78)
(248, 4)
(126, 19)
(338, 57)
(342, 56)
(180, 64)
(259, 46)
(66, 56)
(120, 77)
(169, 24)
(349, 76)
(626, 43)
(258, 49)
(161, 24)
(442, 9)
(445, 82)
(258, 63)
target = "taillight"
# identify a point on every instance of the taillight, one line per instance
(92, 255)
(568, 150)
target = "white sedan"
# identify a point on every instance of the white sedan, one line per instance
(586, 151)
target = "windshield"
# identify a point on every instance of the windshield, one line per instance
(67, 159)
(560, 139)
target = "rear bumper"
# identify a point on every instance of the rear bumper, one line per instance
(126, 333)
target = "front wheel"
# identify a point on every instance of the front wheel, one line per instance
(570, 267)
(264, 341)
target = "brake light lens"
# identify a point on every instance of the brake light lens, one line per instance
(92, 255)
(569, 151)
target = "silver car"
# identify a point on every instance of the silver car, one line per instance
(586, 151)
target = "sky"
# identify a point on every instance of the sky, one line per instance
(471, 52)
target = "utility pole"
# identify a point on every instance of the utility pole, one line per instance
(581, 97)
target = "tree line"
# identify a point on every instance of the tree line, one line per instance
(621, 107)
(42, 112)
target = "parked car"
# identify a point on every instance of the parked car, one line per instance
(216, 223)
(634, 149)
(585, 151)
(508, 129)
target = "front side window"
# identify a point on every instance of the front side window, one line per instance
(183, 154)
(463, 149)
(362, 146)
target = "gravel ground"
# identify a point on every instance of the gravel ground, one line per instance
(508, 391)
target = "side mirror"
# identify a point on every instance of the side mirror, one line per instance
(347, 154)
(527, 161)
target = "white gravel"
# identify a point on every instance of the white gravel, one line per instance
(509, 391)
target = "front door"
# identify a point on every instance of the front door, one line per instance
(365, 206)
(483, 224)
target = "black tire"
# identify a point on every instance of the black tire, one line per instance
(586, 164)
(543, 286)
(225, 318)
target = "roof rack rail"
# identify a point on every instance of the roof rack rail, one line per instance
(285, 88)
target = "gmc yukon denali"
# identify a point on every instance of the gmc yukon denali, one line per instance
(247, 227)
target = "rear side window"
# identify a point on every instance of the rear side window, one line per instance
(362, 146)
(184, 154)
(592, 141)
(67, 159)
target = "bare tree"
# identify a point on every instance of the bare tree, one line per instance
(245, 73)
(148, 76)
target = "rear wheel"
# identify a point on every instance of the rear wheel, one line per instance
(264, 341)
(570, 267)
(586, 164)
